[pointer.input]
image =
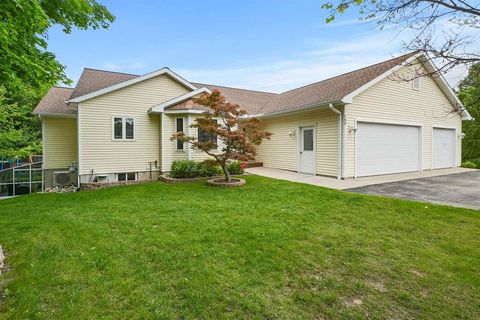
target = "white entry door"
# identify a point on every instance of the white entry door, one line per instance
(387, 148)
(443, 148)
(307, 150)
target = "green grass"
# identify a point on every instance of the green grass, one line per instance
(268, 250)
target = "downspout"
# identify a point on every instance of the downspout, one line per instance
(339, 142)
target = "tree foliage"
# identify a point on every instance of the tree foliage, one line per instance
(24, 58)
(28, 69)
(469, 93)
(427, 20)
(238, 134)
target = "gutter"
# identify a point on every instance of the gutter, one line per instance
(339, 141)
(298, 109)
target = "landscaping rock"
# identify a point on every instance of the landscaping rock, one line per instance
(234, 182)
(62, 189)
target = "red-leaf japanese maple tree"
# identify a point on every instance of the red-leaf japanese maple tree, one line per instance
(233, 135)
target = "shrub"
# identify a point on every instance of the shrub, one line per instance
(234, 167)
(183, 169)
(210, 168)
(470, 164)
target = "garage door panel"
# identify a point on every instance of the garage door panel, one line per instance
(387, 148)
(443, 148)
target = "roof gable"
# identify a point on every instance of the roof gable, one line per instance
(134, 80)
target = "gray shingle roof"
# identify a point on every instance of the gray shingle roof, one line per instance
(54, 102)
(255, 102)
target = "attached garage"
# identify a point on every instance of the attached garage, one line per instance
(383, 148)
(443, 148)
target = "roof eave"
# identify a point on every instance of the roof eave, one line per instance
(299, 109)
(160, 108)
(133, 81)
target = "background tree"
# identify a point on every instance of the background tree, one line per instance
(238, 135)
(469, 93)
(28, 69)
(426, 19)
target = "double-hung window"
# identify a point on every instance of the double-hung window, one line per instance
(179, 128)
(123, 128)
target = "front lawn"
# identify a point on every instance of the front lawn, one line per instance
(268, 250)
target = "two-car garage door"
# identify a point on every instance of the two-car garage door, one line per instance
(383, 148)
(387, 148)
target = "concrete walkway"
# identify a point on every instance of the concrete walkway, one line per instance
(333, 183)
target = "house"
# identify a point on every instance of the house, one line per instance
(380, 119)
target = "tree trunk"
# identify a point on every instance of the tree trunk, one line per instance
(225, 171)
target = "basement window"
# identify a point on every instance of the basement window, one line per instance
(127, 176)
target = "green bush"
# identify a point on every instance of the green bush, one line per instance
(182, 169)
(234, 167)
(469, 164)
(472, 163)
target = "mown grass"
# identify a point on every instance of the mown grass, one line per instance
(268, 250)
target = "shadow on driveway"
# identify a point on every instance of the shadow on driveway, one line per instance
(459, 190)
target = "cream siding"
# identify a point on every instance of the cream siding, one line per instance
(169, 151)
(102, 154)
(59, 142)
(394, 100)
(282, 150)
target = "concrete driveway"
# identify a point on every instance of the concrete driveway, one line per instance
(459, 189)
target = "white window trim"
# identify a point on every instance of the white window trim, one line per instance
(126, 173)
(124, 128)
(176, 130)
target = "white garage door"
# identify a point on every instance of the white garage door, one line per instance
(443, 148)
(387, 148)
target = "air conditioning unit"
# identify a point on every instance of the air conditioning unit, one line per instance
(63, 178)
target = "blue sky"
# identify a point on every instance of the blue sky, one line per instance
(270, 45)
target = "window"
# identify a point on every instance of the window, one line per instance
(206, 137)
(416, 80)
(179, 123)
(308, 140)
(127, 176)
(123, 128)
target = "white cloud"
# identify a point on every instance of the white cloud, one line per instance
(328, 60)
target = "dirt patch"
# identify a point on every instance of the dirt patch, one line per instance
(379, 286)
(355, 302)
(418, 273)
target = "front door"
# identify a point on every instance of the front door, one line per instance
(307, 150)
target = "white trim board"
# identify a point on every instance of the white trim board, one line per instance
(159, 108)
(127, 83)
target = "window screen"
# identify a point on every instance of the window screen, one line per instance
(118, 128)
(308, 140)
(179, 129)
(129, 128)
